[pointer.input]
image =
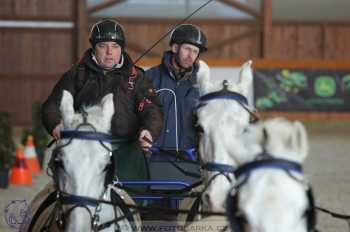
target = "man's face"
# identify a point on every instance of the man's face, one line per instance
(187, 53)
(107, 54)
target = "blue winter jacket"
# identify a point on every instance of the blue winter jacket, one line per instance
(186, 98)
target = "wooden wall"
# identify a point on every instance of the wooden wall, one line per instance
(307, 40)
(33, 59)
(289, 40)
(17, 93)
(35, 51)
(143, 33)
(24, 9)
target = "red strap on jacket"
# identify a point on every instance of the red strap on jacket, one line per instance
(131, 79)
(142, 104)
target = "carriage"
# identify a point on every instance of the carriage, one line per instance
(110, 208)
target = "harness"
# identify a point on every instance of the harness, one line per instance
(225, 94)
(266, 161)
(62, 198)
(222, 169)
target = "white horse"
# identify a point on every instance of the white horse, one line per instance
(83, 155)
(223, 114)
(271, 194)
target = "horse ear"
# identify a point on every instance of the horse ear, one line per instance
(107, 108)
(246, 75)
(300, 140)
(67, 108)
(203, 77)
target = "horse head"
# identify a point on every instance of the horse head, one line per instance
(83, 161)
(271, 193)
(223, 113)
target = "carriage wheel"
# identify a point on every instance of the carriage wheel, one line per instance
(47, 207)
(38, 222)
(115, 197)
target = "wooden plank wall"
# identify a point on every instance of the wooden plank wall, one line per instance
(311, 40)
(144, 33)
(24, 9)
(18, 92)
(31, 60)
(289, 40)
(35, 51)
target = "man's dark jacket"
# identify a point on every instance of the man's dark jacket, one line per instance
(187, 97)
(135, 102)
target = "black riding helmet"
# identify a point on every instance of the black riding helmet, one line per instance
(188, 33)
(107, 30)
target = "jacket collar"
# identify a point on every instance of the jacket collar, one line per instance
(124, 68)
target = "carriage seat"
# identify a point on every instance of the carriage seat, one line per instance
(173, 170)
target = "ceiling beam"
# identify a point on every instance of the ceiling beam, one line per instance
(104, 5)
(242, 7)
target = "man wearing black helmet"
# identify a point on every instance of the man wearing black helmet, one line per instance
(107, 68)
(174, 80)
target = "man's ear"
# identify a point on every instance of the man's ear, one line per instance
(175, 48)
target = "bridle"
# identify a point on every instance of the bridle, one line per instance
(63, 198)
(222, 169)
(224, 94)
(266, 161)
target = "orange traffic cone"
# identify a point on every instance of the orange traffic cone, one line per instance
(30, 156)
(20, 174)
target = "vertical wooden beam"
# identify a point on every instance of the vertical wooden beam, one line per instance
(324, 40)
(267, 28)
(81, 30)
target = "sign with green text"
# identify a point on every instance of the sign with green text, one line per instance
(302, 90)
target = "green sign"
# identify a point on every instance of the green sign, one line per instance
(324, 86)
(302, 90)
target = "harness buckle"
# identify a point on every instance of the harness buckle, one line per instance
(225, 84)
(95, 221)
